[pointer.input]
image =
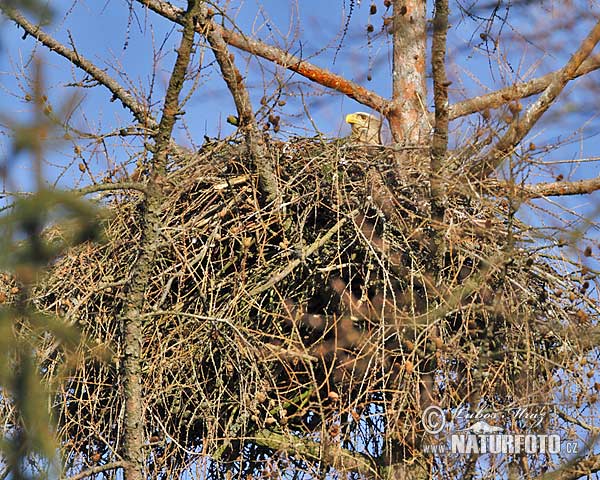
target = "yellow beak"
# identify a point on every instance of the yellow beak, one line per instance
(352, 118)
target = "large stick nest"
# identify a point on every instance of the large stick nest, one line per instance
(314, 316)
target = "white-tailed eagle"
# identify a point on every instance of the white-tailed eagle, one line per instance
(366, 128)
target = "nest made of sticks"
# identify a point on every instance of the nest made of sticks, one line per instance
(306, 317)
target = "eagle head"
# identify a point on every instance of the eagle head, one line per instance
(366, 128)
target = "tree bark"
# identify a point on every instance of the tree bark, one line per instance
(439, 144)
(408, 114)
(142, 270)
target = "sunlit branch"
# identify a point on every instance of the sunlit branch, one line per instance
(247, 122)
(280, 57)
(515, 92)
(553, 189)
(139, 110)
(521, 126)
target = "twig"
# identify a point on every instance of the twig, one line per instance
(139, 111)
(99, 469)
(275, 279)
(517, 91)
(521, 127)
(232, 76)
(276, 55)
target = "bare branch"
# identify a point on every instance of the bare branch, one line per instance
(99, 469)
(280, 57)
(133, 436)
(439, 144)
(170, 109)
(139, 110)
(553, 189)
(517, 91)
(232, 76)
(574, 470)
(520, 127)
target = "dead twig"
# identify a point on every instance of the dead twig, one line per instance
(515, 92)
(139, 110)
(521, 126)
(233, 78)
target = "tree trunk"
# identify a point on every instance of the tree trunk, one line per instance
(408, 113)
(142, 270)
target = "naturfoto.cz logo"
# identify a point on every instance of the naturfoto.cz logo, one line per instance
(482, 438)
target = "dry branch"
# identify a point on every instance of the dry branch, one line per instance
(551, 189)
(554, 189)
(280, 57)
(254, 140)
(515, 92)
(139, 110)
(521, 126)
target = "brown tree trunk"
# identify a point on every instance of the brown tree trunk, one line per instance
(142, 270)
(409, 123)
(408, 114)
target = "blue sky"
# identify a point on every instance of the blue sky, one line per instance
(136, 46)
(125, 42)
